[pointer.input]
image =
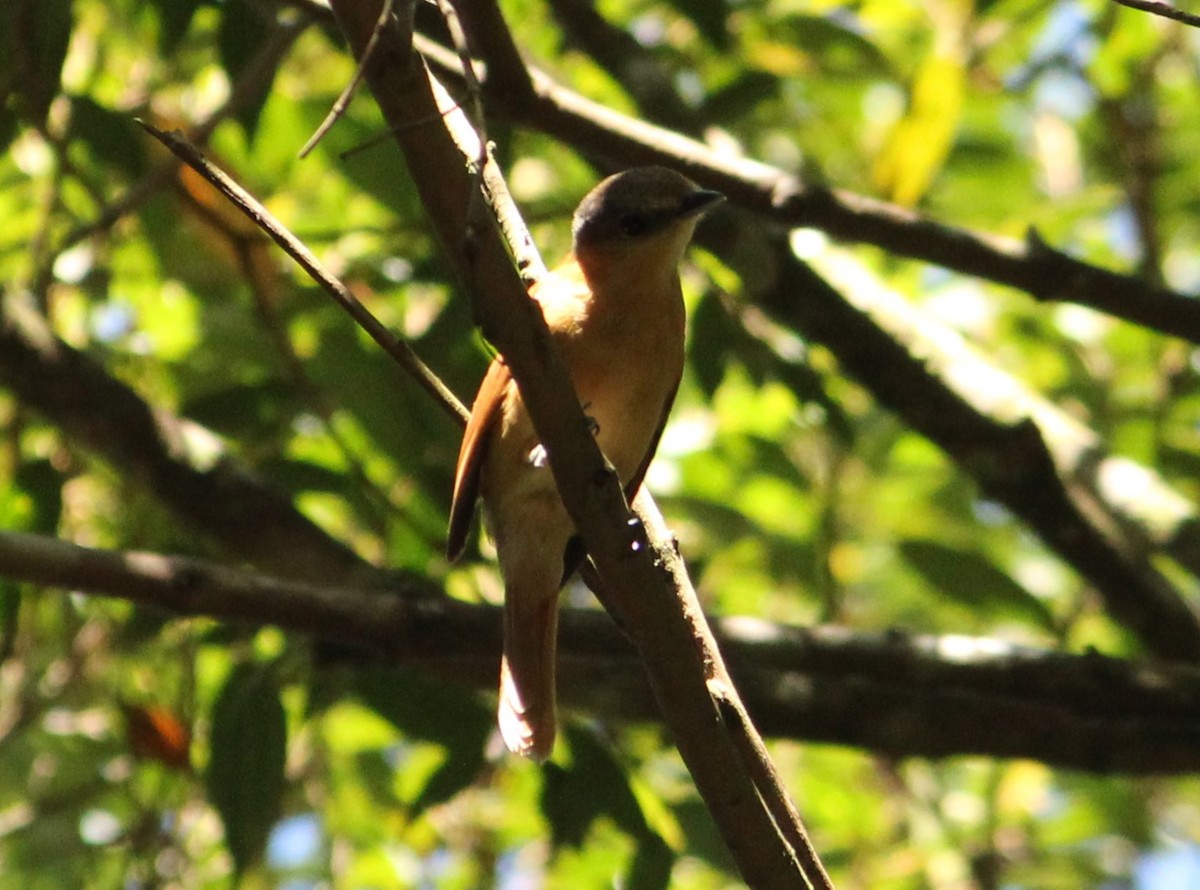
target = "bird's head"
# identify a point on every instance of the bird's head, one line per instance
(640, 219)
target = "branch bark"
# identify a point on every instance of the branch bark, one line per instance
(1086, 524)
(645, 584)
(890, 693)
(182, 464)
(1031, 265)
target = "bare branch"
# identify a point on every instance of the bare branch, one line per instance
(891, 693)
(1031, 265)
(488, 35)
(343, 99)
(394, 346)
(638, 584)
(1164, 9)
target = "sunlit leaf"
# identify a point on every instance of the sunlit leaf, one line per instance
(919, 142)
(432, 712)
(593, 785)
(966, 577)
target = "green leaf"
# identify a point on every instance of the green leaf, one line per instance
(435, 712)
(9, 124)
(423, 708)
(840, 48)
(113, 137)
(42, 483)
(593, 785)
(240, 36)
(710, 337)
(969, 578)
(244, 410)
(919, 143)
(175, 17)
(652, 864)
(245, 777)
(734, 100)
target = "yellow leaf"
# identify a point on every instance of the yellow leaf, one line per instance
(917, 146)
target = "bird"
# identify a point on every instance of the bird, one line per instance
(615, 311)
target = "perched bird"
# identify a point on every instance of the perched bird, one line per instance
(616, 314)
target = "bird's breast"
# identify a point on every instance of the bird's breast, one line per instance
(624, 350)
(625, 362)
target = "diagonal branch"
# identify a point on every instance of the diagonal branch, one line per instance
(645, 584)
(999, 434)
(182, 464)
(394, 346)
(1100, 502)
(1045, 273)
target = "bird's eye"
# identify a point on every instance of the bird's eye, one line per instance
(633, 224)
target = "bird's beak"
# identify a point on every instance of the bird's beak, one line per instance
(700, 201)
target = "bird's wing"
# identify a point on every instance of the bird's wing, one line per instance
(484, 414)
(576, 553)
(635, 481)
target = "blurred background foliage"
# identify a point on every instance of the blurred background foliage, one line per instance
(140, 751)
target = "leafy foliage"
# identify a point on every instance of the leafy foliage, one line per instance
(137, 750)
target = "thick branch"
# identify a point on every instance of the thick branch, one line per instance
(891, 693)
(1033, 266)
(991, 428)
(633, 575)
(1153, 516)
(169, 456)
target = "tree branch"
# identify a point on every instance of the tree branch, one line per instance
(1164, 9)
(639, 587)
(182, 464)
(892, 693)
(995, 430)
(1033, 266)
(1102, 502)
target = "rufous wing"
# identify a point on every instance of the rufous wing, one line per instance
(576, 553)
(484, 414)
(634, 482)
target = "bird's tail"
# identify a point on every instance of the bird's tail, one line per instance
(527, 711)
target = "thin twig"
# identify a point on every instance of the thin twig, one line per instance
(478, 215)
(1164, 9)
(343, 100)
(395, 347)
(249, 80)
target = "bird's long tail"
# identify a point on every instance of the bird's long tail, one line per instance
(527, 711)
